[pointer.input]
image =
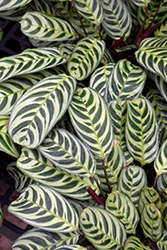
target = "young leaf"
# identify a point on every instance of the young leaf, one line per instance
(133, 242)
(44, 208)
(160, 163)
(162, 243)
(10, 4)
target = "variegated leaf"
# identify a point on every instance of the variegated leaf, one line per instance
(13, 14)
(162, 184)
(132, 7)
(63, 7)
(141, 131)
(91, 120)
(86, 57)
(160, 163)
(143, 3)
(43, 207)
(123, 209)
(164, 215)
(102, 229)
(70, 247)
(162, 29)
(66, 50)
(1, 217)
(29, 61)
(162, 243)
(43, 7)
(133, 242)
(78, 205)
(37, 111)
(107, 57)
(131, 182)
(11, 4)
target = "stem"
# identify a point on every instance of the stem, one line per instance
(101, 190)
(89, 247)
(79, 18)
(81, 233)
(142, 27)
(95, 196)
(155, 181)
(106, 176)
(32, 7)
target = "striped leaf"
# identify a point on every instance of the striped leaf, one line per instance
(1, 217)
(37, 111)
(6, 143)
(91, 10)
(14, 14)
(141, 131)
(162, 243)
(162, 183)
(133, 242)
(143, 3)
(63, 7)
(99, 78)
(33, 164)
(152, 55)
(160, 163)
(78, 205)
(43, 7)
(10, 4)
(123, 209)
(46, 28)
(85, 57)
(71, 247)
(126, 81)
(151, 222)
(161, 30)
(91, 120)
(132, 7)
(149, 195)
(21, 180)
(102, 229)
(114, 163)
(107, 57)
(44, 208)
(117, 111)
(117, 20)
(39, 239)
(131, 182)
(66, 50)
(164, 215)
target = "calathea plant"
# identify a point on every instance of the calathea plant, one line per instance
(84, 113)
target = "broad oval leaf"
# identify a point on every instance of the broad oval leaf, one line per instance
(14, 14)
(133, 242)
(131, 182)
(1, 217)
(102, 229)
(29, 61)
(151, 222)
(91, 120)
(40, 239)
(43, 207)
(37, 111)
(46, 27)
(160, 163)
(117, 20)
(164, 215)
(143, 3)
(86, 57)
(141, 131)
(43, 7)
(6, 5)
(162, 243)
(123, 209)
(162, 183)
(126, 81)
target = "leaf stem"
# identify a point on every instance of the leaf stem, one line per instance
(32, 7)
(142, 27)
(106, 176)
(78, 231)
(155, 181)
(95, 196)
(79, 18)
(101, 190)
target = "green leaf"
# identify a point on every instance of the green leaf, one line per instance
(102, 229)
(10, 4)
(86, 57)
(13, 14)
(162, 183)
(161, 30)
(164, 215)
(107, 57)
(126, 81)
(46, 28)
(131, 181)
(143, 3)
(66, 50)
(1, 217)
(123, 209)
(37, 111)
(160, 163)
(43, 7)
(1, 34)
(6, 143)
(44, 208)
(151, 222)
(117, 20)
(78, 205)
(29, 61)
(63, 7)
(162, 243)
(33, 164)
(71, 247)
(90, 118)
(133, 10)
(133, 242)
(149, 195)
(39, 239)
(141, 131)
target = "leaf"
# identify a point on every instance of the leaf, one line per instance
(123, 209)
(151, 222)
(117, 20)
(39, 239)
(44, 208)
(85, 58)
(10, 4)
(131, 181)
(133, 10)
(102, 229)
(133, 242)
(6, 143)
(107, 57)
(29, 61)
(63, 7)
(78, 205)
(162, 243)
(1, 217)
(37, 111)
(90, 118)
(71, 247)
(14, 14)
(162, 29)
(66, 50)
(149, 195)
(160, 163)
(143, 3)
(46, 27)
(162, 182)
(32, 163)
(125, 82)
(91, 10)
(141, 131)
(1, 34)
(99, 78)
(43, 7)
(164, 215)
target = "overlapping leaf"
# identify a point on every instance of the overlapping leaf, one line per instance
(85, 57)
(133, 242)
(63, 7)
(78, 205)
(162, 243)
(160, 163)
(39, 239)
(1, 217)
(70, 247)
(141, 131)
(102, 229)
(29, 61)
(132, 7)
(43, 7)
(14, 14)
(162, 183)
(91, 120)
(126, 81)
(164, 215)
(107, 57)
(43, 207)
(66, 50)
(143, 3)
(123, 209)
(161, 30)
(10, 4)
(117, 20)
(40, 108)
(131, 182)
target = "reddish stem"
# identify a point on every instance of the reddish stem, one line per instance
(106, 176)
(95, 196)
(155, 181)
